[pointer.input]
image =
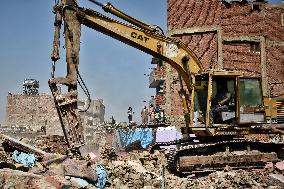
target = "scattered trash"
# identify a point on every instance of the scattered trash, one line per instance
(80, 181)
(102, 176)
(92, 156)
(28, 160)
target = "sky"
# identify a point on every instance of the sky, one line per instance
(111, 70)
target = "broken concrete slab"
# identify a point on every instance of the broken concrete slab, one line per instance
(280, 166)
(18, 179)
(278, 177)
(10, 143)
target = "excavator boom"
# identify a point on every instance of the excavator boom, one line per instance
(134, 33)
(169, 50)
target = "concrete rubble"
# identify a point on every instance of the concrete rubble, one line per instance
(125, 170)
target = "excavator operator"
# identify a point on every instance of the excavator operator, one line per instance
(220, 102)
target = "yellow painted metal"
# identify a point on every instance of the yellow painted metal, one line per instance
(169, 50)
(270, 107)
(209, 97)
(225, 73)
(274, 107)
(110, 8)
(192, 101)
(238, 100)
(143, 37)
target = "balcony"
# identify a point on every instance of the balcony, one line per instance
(156, 77)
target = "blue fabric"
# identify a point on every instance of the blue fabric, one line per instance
(80, 181)
(28, 160)
(127, 137)
(100, 183)
(102, 177)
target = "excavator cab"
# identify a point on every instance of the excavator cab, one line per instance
(215, 96)
(226, 98)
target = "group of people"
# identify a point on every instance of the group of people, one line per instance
(156, 115)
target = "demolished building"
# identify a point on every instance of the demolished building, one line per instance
(32, 113)
(94, 111)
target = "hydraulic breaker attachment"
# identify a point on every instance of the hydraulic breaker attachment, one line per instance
(66, 106)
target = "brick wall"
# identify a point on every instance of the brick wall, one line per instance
(230, 36)
(160, 99)
(238, 56)
(32, 112)
(160, 71)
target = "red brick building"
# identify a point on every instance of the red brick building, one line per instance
(234, 35)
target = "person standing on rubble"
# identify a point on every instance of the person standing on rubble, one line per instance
(144, 116)
(130, 114)
(162, 116)
(157, 114)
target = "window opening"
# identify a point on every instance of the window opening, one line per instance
(255, 47)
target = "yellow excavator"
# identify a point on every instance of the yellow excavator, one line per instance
(218, 130)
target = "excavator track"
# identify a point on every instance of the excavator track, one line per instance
(199, 158)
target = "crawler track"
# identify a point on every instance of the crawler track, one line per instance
(196, 157)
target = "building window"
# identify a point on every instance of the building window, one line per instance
(254, 47)
(255, 7)
(160, 89)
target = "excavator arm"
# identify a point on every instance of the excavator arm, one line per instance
(137, 34)
(146, 39)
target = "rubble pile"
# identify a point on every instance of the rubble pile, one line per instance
(122, 170)
(136, 170)
(3, 155)
(133, 175)
(18, 179)
(51, 143)
(227, 179)
(144, 170)
(108, 152)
